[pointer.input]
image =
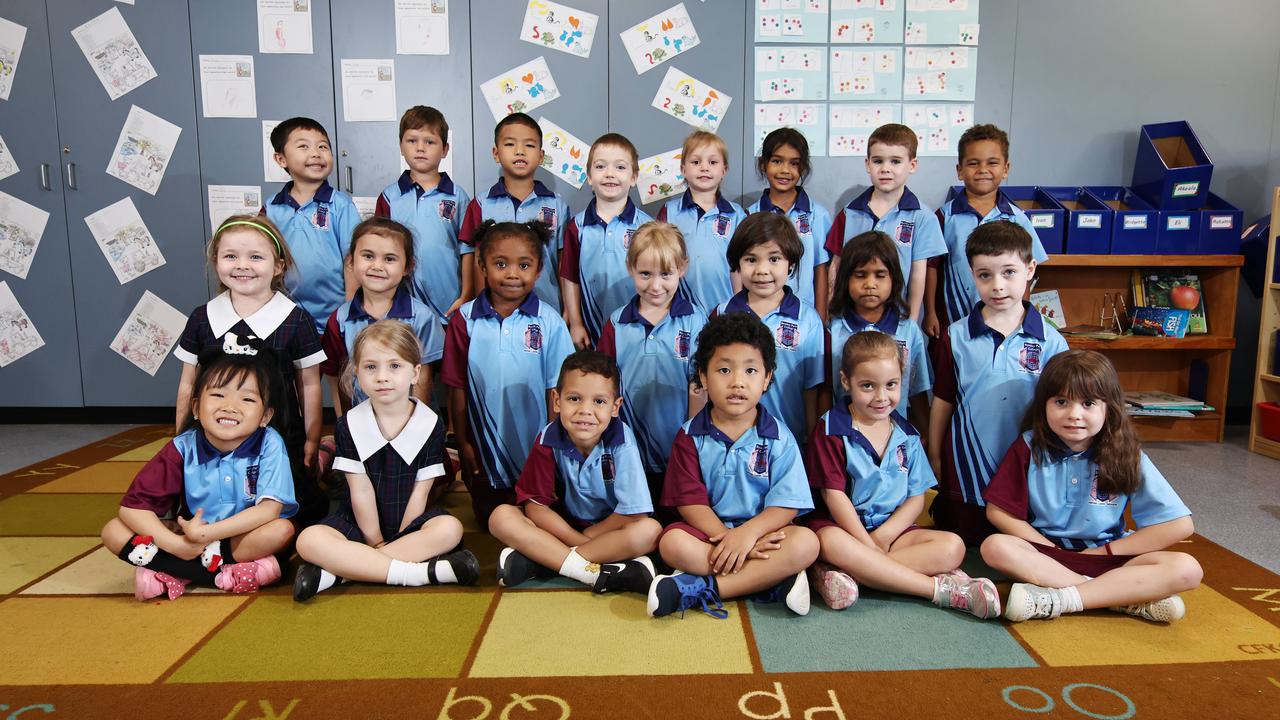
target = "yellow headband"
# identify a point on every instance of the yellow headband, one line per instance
(258, 226)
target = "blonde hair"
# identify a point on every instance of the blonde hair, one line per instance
(697, 139)
(866, 346)
(395, 335)
(264, 227)
(662, 239)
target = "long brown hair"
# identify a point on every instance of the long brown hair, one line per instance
(1088, 375)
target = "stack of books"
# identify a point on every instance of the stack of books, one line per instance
(1154, 403)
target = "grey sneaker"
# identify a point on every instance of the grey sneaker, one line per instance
(1167, 610)
(976, 596)
(1027, 601)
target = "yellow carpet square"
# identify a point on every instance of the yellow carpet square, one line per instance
(142, 453)
(106, 477)
(80, 641)
(98, 573)
(1215, 629)
(576, 633)
(409, 634)
(34, 514)
(23, 559)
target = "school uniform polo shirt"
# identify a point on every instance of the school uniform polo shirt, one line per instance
(840, 457)
(739, 478)
(1059, 496)
(505, 365)
(913, 227)
(435, 217)
(802, 348)
(348, 320)
(609, 480)
(959, 219)
(916, 375)
(595, 257)
(656, 365)
(812, 222)
(319, 236)
(190, 474)
(706, 238)
(542, 205)
(990, 379)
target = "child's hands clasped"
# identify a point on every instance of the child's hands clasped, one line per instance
(196, 530)
(732, 549)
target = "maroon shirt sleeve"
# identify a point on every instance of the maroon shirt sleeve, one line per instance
(830, 382)
(383, 208)
(683, 484)
(1008, 487)
(537, 481)
(835, 236)
(944, 371)
(608, 343)
(936, 260)
(158, 485)
(335, 348)
(569, 255)
(662, 213)
(825, 461)
(470, 222)
(456, 344)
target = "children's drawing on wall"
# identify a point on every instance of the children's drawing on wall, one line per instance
(368, 90)
(691, 101)
(520, 89)
(866, 21)
(284, 26)
(660, 177)
(148, 334)
(660, 38)
(113, 53)
(866, 74)
(559, 27)
(125, 240)
(802, 21)
(942, 22)
(938, 126)
(810, 119)
(563, 154)
(793, 74)
(228, 200)
(12, 35)
(18, 335)
(227, 86)
(422, 27)
(940, 73)
(851, 124)
(143, 150)
(8, 166)
(21, 227)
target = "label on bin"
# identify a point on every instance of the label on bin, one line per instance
(1221, 222)
(1089, 220)
(1041, 220)
(1178, 222)
(1186, 189)
(1135, 222)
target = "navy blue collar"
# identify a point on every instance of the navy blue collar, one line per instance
(680, 306)
(1059, 452)
(590, 217)
(499, 189)
(1032, 323)
(406, 184)
(960, 204)
(862, 203)
(557, 437)
(790, 305)
(401, 306)
(722, 206)
(887, 324)
(324, 194)
(840, 423)
(250, 448)
(802, 202)
(766, 426)
(483, 306)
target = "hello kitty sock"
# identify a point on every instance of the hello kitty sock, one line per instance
(142, 551)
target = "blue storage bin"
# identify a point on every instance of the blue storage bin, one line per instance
(1133, 227)
(1088, 220)
(1178, 232)
(1172, 169)
(1045, 214)
(1220, 227)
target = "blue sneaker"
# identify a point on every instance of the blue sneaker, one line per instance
(794, 591)
(681, 591)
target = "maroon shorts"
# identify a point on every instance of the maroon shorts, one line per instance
(679, 525)
(1076, 561)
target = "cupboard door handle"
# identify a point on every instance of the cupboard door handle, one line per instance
(351, 188)
(71, 176)
(44, 176)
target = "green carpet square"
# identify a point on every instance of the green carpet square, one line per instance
(36, 514)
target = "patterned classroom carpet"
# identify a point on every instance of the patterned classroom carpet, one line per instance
(77, 645)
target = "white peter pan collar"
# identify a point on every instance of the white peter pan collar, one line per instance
(368, 438)
(222, 315)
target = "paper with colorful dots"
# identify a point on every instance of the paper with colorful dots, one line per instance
(866, 21)
(791, 21)
(809, 118)
(938, 126)
(940, 73)
(791, 73)
(851, 125)
(941, 22)
(866, 73)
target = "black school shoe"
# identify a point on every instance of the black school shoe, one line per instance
(632, 576)
(514, 568)
(306, 583)
(464, 563)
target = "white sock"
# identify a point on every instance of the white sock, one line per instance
(444, 571)
(577, 567)
(407, 574)
(327, 580)
(1071, 601)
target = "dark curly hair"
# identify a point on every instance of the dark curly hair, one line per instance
(730, 329)
(533, 232)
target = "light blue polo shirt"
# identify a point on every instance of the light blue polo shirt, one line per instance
(801, 342)
(737, 479)
(506, 366)
(609, 480)
(656, 364)
(435, 217)
(595, 257)
(812, 223)
(319, 236)
(543, 205)
(224, 484)
(959, 219)
(995, 378)
(913, 227)
(842, 458)
(706, 237)
(917, 377)
(349, 319)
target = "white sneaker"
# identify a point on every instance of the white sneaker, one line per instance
(1027, 601)
(1167, 610)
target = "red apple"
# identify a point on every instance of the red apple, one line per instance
(1184, 297)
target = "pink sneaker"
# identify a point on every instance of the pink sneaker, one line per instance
(836, 588)
(148, 584)
(248, 576)
(977, 596)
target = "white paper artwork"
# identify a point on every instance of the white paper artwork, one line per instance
(8, 166)
(660, 177)
(368, 90)
(660, 38)
(563, 154)
(228, 200)
(366, 206)
(18, 335)
(227, 87)
(113, 53)
(21, 227)
(143, 150)
(149, 333)
(520, 89)
(284, 26)
(271, 171)
(422, 27)
(12, 35)
(559, 27)
(691, 101)
(125, 240)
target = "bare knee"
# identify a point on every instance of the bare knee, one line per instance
(278, 532)
(952, 549)
(674, 547)
(997, 550)
(803, 543)
(309, 541)
(503, 520)
(115, 534)
(446, 527)
(1186, 571)
(644, 535)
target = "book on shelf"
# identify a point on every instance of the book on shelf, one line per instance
(1178, 289)
(1049, 305)
(1161, 322)
(1159, 412)
(1160, 399)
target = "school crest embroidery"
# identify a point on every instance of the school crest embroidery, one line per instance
(533, 338)
(606, 467)
(904, 352)
(905, 231)
(547, 215)
(722, 226)
(1099, 498)
(901, 454)
(626, 239)
(320, 218)
(759, 465)
(682, 343)
(447, 209)
(802, 223)
(1029, 357)
(251, 481)
(787, 335)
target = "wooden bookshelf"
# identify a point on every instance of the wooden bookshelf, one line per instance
(1266, 387)
(1152, 363)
